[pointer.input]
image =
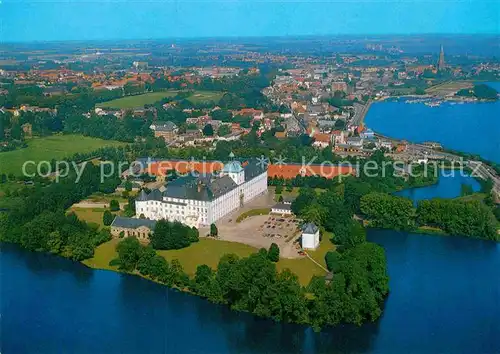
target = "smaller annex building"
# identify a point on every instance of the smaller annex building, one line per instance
(282, 208)
(310, 236)
(140, 228)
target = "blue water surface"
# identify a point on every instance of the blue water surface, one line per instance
(449, 185)
(445, 298)
(468, 127)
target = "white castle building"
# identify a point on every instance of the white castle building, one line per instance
(200, 201)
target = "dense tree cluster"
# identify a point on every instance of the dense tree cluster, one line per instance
(172, 235)
(481, 91)
(357, 289)
(37, 218)
(469, 218)
(133, 255)
(253, 284)
(456, 217)
(385, 210)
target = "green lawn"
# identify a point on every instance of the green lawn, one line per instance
(206, 251)
(103, 254)
(304, 267)
(201, 96)
(47, 148)
(93, 215)
(137, 101)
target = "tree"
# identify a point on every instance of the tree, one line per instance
(128, 186)
(224, 130)
(172, 235)
(55, 242)
(208, 130)
(114, 205)
(388, 211)
(332, 260)
(457, 217)
(274, 253)
(129, 251)
(213, 230)
(313, 213)
(107, 218)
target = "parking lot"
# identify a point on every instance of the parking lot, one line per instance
(261, 231)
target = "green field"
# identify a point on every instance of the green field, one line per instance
(206, 251)
(48, 148)
(201, 96)
(102, 255)
(304, 268)
(91, 215)
(139, 101)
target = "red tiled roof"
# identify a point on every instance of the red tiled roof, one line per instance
(288, 171)
(322, 138)
(291, 171)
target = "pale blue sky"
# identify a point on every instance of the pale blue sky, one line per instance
(23, 20)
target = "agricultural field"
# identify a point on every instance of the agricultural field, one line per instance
(48, 148)
(138, 101)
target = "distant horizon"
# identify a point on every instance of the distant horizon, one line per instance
(29, 21)
(339, 35)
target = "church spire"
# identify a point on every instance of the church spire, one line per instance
(441, 64)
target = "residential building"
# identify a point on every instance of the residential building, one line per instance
(167, 131)
(282, 208)
(322, 140)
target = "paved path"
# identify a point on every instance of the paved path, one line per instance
(319, 265)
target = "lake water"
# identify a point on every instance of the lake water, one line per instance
(469, 127)
(445, 298)
(449, 186)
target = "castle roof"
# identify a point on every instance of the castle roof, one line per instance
(232, 167)
(132, 223)
(309, 228)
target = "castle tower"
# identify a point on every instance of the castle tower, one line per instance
(441, 64)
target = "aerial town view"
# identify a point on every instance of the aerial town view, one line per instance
(250, 177)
